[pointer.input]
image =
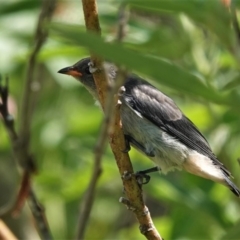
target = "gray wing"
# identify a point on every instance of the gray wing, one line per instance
(162, 111)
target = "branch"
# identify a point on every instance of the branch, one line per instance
(87, 203)
(38, 212)
(21, 142)
(100, 147)
(117, 141)
(5, 233)
(123, 16)
(25, 189)
(26, 110)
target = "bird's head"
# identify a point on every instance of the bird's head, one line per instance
(80, 71)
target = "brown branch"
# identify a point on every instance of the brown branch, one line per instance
(38, 212)
(5, 233)
(86, 205)
(123, 16)
(21, 142)
(117, 141)
(100, 147)
(28, 92)
(8, 121)
(25, 189)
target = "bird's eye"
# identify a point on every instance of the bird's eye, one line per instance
(87, 70)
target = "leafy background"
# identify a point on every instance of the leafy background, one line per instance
(189, 50)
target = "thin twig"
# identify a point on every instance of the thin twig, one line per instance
(20, 142)
(86, 206)
(236, 27)
(8, 121)
(123, 16)
(27, 110)
(87, 203)
(39, 216)
(117, 140)
(28, 93)
(25, 190)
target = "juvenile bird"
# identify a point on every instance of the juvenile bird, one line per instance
(153, 124)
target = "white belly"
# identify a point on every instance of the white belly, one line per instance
(169, 153)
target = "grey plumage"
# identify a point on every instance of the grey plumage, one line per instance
(158, 128)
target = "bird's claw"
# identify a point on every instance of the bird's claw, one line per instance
(142, 178)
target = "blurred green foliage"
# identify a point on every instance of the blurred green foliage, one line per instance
(186, 48)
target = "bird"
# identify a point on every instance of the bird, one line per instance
(153, 124)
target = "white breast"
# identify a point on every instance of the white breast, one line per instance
(169, 152)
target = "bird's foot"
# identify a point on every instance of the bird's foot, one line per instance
(92, 68)
(142, 178)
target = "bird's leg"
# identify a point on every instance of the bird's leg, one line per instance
(127, 141)
(142, 176)
(92, 69)
(137, 145)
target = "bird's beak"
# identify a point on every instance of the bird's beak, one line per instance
(70, 71)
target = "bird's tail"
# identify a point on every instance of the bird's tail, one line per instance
(203, 166)
(232, 187)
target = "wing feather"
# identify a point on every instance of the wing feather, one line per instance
(163, 112)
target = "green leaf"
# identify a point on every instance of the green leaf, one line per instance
(164, 72)
(211, 14)
(7, 8)
(233, 233)
(234, 83)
